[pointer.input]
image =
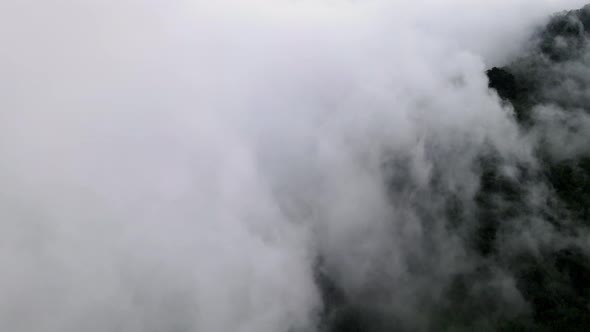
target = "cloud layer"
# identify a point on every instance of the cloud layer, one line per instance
(186, 166)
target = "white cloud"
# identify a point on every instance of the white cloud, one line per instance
(175, 165)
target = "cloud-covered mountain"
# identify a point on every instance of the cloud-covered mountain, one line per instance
(521, 235)
(294, 166)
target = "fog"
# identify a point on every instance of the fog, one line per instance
(187, 165)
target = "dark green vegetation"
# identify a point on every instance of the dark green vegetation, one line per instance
(550, 277)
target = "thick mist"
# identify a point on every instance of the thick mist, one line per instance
(225, 165)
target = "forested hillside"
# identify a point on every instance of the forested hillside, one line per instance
(525, 231)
